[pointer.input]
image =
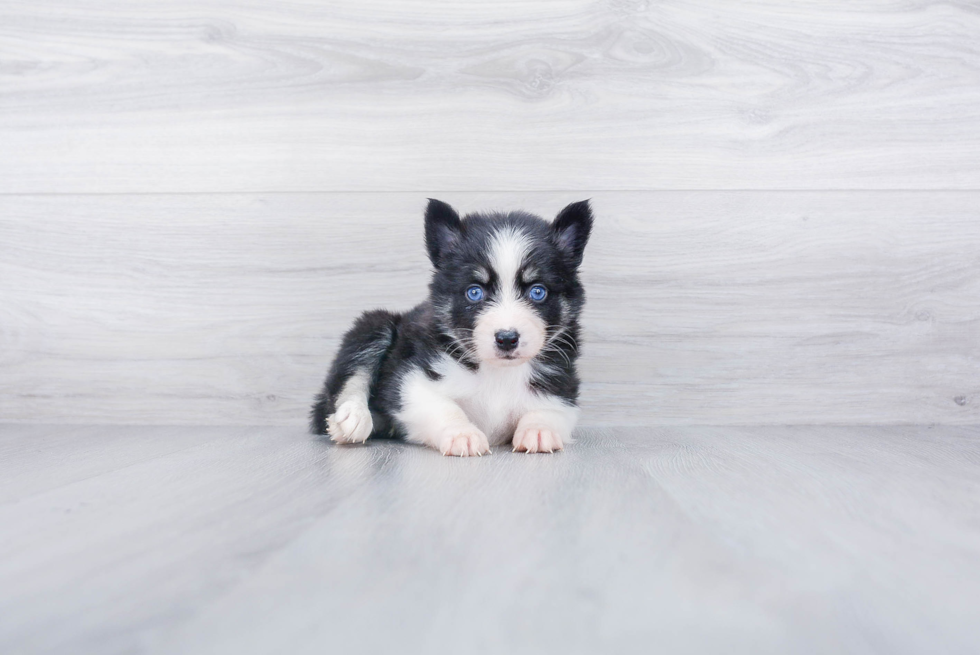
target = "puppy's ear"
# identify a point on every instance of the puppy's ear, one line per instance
(571, 229)
(442, 229)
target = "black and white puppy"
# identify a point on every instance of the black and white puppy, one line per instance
(488, 359)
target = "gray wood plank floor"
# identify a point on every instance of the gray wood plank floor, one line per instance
(704, 307)
(682, 539)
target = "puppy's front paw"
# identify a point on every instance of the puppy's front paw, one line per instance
(465, 441)
(537, 439)
(351, 423)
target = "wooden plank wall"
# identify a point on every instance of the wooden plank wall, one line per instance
(196, 198)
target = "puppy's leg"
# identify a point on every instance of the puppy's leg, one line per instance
(545, 429)
(352, 423)
(341, 409)
(432, 419)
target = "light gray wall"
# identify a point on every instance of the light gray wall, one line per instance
(197, 197)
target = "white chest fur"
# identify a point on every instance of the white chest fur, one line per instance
(494, 398)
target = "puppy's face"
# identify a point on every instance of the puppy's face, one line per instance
(504, 285)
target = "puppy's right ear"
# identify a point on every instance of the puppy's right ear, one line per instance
(442, 229)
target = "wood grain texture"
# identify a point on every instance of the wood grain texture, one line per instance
(725, 307)
(674, 540)
(247, 96)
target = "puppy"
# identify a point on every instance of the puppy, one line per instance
(489, 358)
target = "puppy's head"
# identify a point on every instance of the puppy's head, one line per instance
(505, 284)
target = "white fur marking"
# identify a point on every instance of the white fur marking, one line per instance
(493, 400)
(508, 248)
(508, 310)
(432, 418)
(351, 421)
(529, 274)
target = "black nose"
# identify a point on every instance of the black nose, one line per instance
(507, 339)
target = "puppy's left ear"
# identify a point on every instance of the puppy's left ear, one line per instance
(571, 228)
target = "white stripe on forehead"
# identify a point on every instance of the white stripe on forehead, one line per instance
(508, 248)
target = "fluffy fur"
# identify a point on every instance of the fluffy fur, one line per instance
(485, 360)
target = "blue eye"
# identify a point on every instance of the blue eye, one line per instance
(474, 294)
(537, 293)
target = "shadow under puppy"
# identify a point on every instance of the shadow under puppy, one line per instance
(488, 358)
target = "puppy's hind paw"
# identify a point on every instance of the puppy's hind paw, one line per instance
(351, 423)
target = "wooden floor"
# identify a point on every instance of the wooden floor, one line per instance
(680, 539)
